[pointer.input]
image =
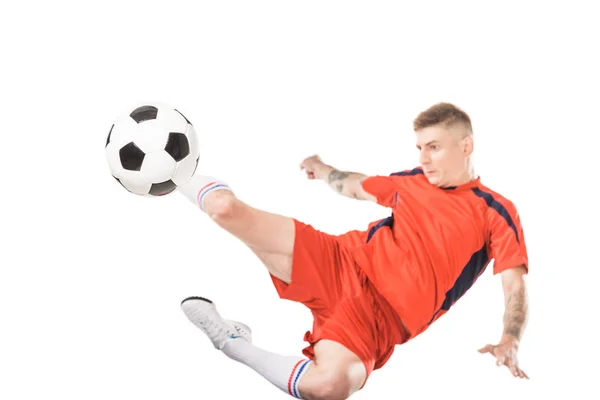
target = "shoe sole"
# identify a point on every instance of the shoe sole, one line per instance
(196, 298)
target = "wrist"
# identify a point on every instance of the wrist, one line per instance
(508, 338)
(323, 171)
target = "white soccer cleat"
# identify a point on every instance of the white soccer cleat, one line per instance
(203, 313)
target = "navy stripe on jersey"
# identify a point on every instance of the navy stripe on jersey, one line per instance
(475, 267)
(491, 202)
(416, 171)
(389, 222)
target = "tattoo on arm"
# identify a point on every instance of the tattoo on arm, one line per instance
(515, 316)
(336, 175)
(344, 181)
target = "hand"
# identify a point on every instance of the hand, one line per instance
(506, 354)
(314, 167)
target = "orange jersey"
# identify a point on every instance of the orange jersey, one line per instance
(436, 243)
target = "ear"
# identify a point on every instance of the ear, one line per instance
(468, 145)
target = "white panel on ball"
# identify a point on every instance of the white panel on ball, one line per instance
(135, 182)
(171, 120)
(113, 159)
(184, 171)
(120, 134)
(158, 167)
(193, 139)
(151, 136)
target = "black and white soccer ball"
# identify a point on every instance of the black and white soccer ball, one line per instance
(152, 149)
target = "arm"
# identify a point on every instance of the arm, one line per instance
(346, 183)
(508, 249)
(515, 303)
(515, 319)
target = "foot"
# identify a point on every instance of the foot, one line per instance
(203, 313)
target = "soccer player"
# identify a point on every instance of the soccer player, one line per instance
(374, 289)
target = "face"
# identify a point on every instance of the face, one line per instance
(444, 154)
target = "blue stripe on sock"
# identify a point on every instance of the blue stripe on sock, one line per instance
(297, 377)
(210, 189)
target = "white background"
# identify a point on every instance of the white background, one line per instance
(92, 276)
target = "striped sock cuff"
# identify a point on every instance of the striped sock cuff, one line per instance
(212, 186)
(299, 369)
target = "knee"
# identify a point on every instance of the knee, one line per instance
(326, 384)
(221, 206)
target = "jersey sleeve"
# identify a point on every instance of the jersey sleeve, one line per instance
(507, 241)
(383, 188)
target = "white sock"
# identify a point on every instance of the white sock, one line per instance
(199, 186)
(284, 372)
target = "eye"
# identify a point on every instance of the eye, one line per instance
(434, 147)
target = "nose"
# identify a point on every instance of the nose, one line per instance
(424, 158)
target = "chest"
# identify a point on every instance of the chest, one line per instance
(445, 215)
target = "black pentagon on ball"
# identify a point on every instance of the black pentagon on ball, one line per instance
(184, 117)
(177, 146)
(131, 157)
(144, 113)
(108, 138)
(160, 189)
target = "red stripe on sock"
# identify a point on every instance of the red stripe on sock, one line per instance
(200, 193)
(292, 377)
(205, 186)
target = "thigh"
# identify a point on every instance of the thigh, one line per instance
(352, 324)
(318, 270)
(262, 231)
(362, 323)
(279, 265)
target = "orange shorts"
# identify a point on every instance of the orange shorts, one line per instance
(346, 308)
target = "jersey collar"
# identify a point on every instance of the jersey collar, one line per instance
(468, 185)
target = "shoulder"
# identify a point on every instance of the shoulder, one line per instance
(494, 199)
(413, 177)
(499, 207)
(409, 172)
(394, 177)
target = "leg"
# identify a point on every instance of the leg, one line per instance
(336, 373)
(279, 265)
(314, 270)
(357, 337)
(261, 230)
(270, 236)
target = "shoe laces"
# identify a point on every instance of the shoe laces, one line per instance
(215, 328)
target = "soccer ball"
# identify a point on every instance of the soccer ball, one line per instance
(152, 149)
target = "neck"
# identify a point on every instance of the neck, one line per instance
(470, 172)
(467, 176)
